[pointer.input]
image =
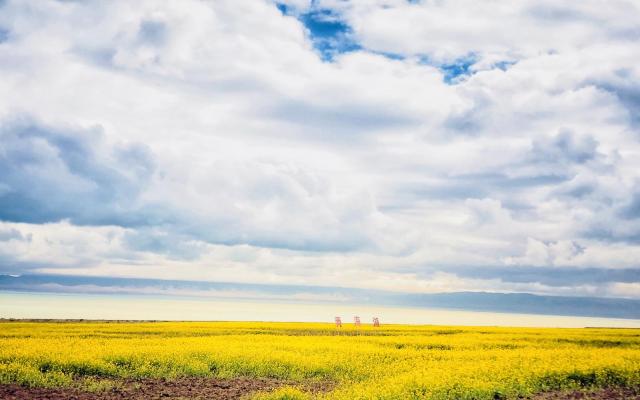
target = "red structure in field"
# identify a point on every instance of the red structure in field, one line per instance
(338, 322)
(356, 321)
(376, 322)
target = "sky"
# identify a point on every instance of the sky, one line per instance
(415, 146)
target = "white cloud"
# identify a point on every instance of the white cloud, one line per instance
(446, 30)
(268, 164)
(628, 290)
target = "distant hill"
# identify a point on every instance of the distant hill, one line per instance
(473, 301)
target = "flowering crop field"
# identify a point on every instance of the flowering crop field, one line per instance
(389, 362)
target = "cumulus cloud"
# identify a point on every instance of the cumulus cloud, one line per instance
(49, 175)
(450, 30)
(422, 146)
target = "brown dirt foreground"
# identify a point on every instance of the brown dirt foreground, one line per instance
(597, 394)
(184, 388)
(230, 389)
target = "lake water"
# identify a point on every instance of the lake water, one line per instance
(131, 307)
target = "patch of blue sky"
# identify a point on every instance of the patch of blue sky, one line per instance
(461, 68)
(503, 65)
(455, 71)
(329, 34)
(284, 9)
(458, 69)
(390, 55)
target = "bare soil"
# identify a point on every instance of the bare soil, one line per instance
(597, 394)
(239, 388)
(183, 388)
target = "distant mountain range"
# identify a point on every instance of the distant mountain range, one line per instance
(472, 301)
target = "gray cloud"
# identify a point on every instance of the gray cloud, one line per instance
(178, 247)
(10, 234)
(565, 147)
(552, 276)
(341, 121)
(631, 210)
(481, 185)
(624, 86)
(554, 13)
(50, 175)
(53, 174)
(153, 32)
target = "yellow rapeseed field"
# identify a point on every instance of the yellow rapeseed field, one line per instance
(390, 362)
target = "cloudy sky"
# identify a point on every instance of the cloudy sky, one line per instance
(420, 146)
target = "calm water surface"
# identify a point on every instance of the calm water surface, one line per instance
(73, 306)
